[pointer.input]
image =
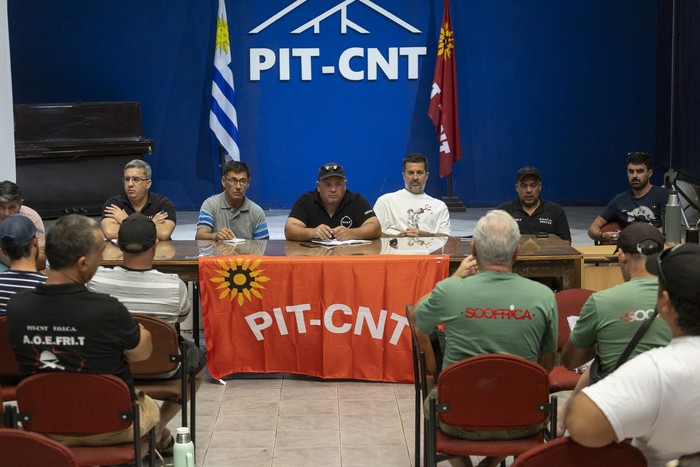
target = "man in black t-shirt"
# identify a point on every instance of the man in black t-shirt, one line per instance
(533, 214)
(137, 197)
(61, 326)
(331, 211)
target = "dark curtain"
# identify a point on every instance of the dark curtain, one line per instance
(678, 133)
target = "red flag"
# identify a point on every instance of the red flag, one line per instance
(443, 97)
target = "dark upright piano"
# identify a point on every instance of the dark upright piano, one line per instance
(70, 157)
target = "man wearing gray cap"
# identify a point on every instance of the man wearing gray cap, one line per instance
(19, 242)
(331, 211)
(653, 398)
(533, 214)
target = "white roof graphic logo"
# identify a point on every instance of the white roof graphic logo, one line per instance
(345, 22)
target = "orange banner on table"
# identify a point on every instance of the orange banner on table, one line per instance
(331, 317)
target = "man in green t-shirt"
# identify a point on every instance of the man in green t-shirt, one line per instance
(611, 318)
(494, 310)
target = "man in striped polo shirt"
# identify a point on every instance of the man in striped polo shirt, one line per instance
(19, 242)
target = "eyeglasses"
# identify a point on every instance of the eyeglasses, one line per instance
(659, 259)
(331, 169)
(136, 180)
(236, 181)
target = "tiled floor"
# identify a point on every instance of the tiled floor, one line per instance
(287, 420)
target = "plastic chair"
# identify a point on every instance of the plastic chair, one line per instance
(8, 365)
(565, 451)
(489, 392)
(25, 449)
(79, 404)
(420, 346)
(169, 358)
(569, 303)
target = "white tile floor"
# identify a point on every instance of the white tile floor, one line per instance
(287, 420)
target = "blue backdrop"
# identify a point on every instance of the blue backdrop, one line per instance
(566, 85)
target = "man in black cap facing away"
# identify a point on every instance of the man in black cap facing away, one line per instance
(331, 211)
(533, 214)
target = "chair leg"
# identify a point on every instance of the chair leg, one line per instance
(193, 399)
(195, 311)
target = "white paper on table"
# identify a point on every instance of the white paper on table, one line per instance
(334, 242)
(234, 240)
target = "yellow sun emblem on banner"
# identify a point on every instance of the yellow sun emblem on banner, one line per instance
(239, 279)
(222, 41)
(446, 42)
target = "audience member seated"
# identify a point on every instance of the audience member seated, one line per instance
(146, 291)
(331, 211)
(492, 311)
(533, 214)
(410, 212)
(231, 214)
(138, 198)
(643, 203)
(653, 398)
(11, 202)
(61, 326)
(610, 319)
(19, 242)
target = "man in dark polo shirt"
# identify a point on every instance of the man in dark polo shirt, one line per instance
(331, 211)
(138, 198)
(533, 214)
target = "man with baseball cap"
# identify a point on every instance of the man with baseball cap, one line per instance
(19, 242)
(331, 211)
(11, 202)
(533, 214)
(146, 291)
(610, 318)
(653, 398)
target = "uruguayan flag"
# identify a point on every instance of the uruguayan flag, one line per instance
(223, 119)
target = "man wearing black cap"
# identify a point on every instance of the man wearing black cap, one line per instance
(643, 203)
(331, 211)
(136, 284)
(653, 398)
(146, 291)
(533, 214)
(18, 241)
(610, 318)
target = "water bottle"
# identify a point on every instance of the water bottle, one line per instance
(672, 224)
(183, 450)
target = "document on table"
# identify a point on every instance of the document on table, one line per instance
(334, 242)
(234, 240)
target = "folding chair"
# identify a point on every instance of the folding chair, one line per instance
(80, 404)
(487, 393)
(9, 371)
(26, 449)
(421, 369)
(565, 451)
(569, 303)
(168, 359)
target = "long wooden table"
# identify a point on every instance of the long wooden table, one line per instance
(537, 258)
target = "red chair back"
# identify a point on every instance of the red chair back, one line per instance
(25, 449)
(565, 451)
(569, 303)
(493, 392)
(8, 364)
(73, 404)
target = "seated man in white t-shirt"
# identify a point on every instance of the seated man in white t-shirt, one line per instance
(654, 397)
(11, 203)
(410, 212)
